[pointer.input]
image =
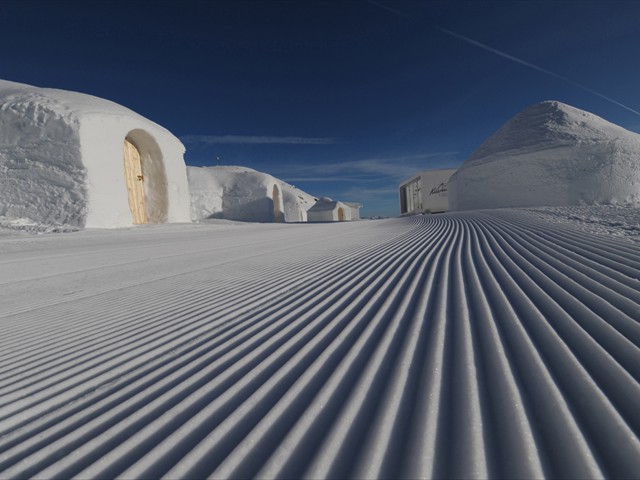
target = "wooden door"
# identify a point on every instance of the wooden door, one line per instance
(277, 214)
(135, 183)
(341, 214)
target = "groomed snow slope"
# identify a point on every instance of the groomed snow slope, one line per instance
(550, 154)
(482, 344)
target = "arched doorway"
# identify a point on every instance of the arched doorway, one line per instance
(341, 214)
(277, 213)
(135, 183)
(146, 178)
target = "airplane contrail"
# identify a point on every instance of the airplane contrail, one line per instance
(389, 9)
(500, 53)
(535, 67)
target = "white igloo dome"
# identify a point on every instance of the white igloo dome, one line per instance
(550, 154)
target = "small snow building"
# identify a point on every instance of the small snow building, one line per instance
(328, 210)
(244, 194)
(425, 192)
(68, 158)
(355, 210)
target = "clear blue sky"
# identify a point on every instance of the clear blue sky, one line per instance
(341, 98)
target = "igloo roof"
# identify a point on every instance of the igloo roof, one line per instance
(550, 124)
(325, 204)
(66, 103)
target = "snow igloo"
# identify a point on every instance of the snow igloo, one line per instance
(244, 194)
(550, 154)
(73, 159)
(329, 210)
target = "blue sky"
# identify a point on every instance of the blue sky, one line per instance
(341, 98)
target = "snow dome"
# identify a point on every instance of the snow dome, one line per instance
(241, 193)
(550, 154)
(68, 158)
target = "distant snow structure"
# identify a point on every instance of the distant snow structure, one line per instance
(296, 203)
(355, 210)
(244, 194)
(329, 210)
(425, 192)
(68, 158)
(550, 154)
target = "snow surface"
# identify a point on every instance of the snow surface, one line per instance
(244, 194)
(550, 154)
(622, 221)
(62, 165)
(484, 344)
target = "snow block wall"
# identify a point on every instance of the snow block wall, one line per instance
(354, 210)
(244, 194)
(550, 154)
(62, 161)
(296, 203)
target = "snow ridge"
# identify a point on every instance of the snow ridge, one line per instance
(460, 345)
(550, 154)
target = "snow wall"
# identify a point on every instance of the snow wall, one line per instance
(244, 194)
(354, 210)
(62, 161)
(550, 154)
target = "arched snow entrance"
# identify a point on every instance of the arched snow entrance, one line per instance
(135, 183)
(277, 213)
(341, 217)
(146, 178)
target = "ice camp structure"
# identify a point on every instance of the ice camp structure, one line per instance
(68, 158)
(329, 210)
(425, 192)
(244, 194)
(550, 154)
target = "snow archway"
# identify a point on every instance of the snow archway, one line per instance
(148, 195)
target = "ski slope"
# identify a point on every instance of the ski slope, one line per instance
(480, 344)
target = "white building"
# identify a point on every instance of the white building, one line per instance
(328, 210)
(68, 158)
(425, 192)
